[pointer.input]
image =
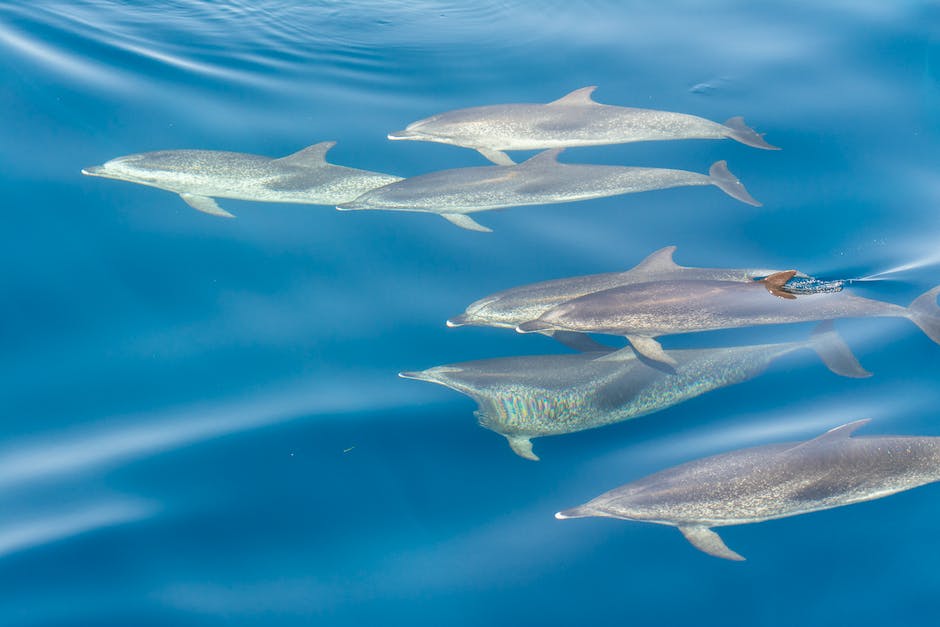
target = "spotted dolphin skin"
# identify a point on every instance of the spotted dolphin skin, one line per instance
(522, 398)
(541, 180)
(515, 306)
(768, 482)
(643, 311)
(574, 120)
(198, 176)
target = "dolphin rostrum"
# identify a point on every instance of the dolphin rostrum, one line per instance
(643, 311)
(198, 176)
(522, 398)
(541, 180)
(512, 307)
(575, 120)
(768, 482)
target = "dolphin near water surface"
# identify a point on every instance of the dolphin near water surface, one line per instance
(768, 482)
(541, 180)
(512, 307)
(527, 397)
(643, 311)
(199, 176)
(574, 120)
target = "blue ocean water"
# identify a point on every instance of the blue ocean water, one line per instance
(201, 419)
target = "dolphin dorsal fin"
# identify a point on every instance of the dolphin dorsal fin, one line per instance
(577, 97)
(659, 261)
(546, 157)
(310, 157)
(775, 282)
(842, 432)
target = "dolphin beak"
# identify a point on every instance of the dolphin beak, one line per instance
(346, 207)
(418, 375)
(405, 134)
(93, 170)
(457, 321)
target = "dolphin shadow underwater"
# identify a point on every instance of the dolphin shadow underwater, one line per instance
(768, 482)
(541, 180)
(198, 176)
(522, 398)
(573, 120)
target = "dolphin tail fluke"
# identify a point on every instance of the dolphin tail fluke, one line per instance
(925, 313)
(707, 541)
(522, 446)
(739, 131)
(722, 178)
(205, 205)
(835, 353)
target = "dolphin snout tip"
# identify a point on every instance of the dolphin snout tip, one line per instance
(93, 170)
(403, 134)
(345, 207)
(456, 321)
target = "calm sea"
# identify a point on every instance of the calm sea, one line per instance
(201, 418)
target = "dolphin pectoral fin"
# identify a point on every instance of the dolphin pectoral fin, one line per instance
(775, 282)
(578, 341)
(651, 349)
(707, 541)
(465, 222)
(496, 156)
(534, 326)
(522, 446)
(205, 205)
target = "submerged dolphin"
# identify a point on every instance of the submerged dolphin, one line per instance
(527, 397)
(575, 120)
(540, 180)
(199, 175)
(767, 482)
(642, 311)
(512, 307)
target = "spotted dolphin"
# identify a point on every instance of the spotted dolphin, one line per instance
(527, 397)
(643, 311)
(199, 176)
(541, 180)
(512, 307)
(574, 120)
(769, 482)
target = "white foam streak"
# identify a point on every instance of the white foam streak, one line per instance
(23, 463)
(26, 534)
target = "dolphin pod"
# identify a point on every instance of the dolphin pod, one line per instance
(522, 398)
(541, 180)
(768, 482)
(526, 397)
(573, 120)
(641, 312)
(198, 176)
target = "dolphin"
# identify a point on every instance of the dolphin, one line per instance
(541, 180)
(574, 120)
(643, 311)
(522, 398)
(768, 482)
(512, 307)
(199, 175)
